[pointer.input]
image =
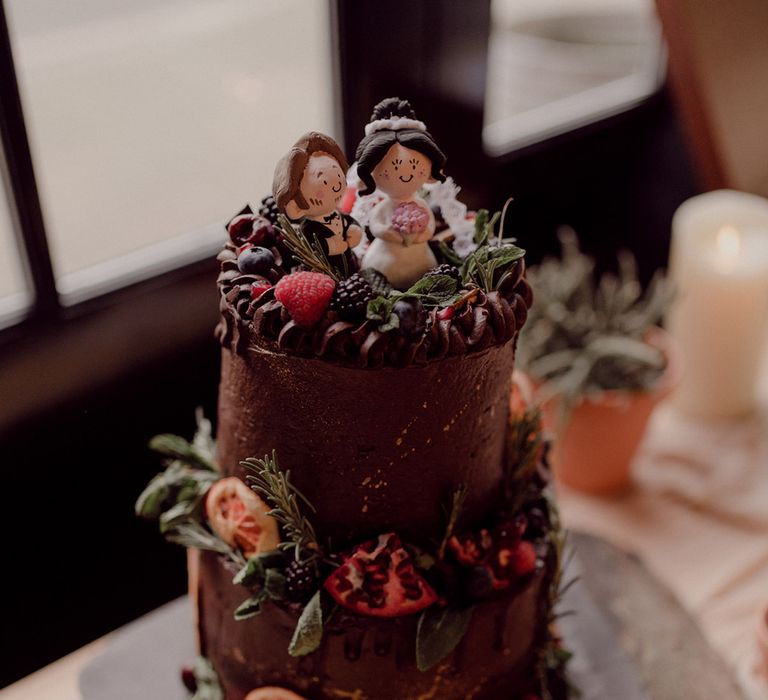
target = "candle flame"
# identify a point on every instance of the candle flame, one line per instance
(728, 243)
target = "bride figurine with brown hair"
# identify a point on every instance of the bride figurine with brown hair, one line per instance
(308, 185)
(397, 157)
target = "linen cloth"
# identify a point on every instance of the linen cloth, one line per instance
(698, 518)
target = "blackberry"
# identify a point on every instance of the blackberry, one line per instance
(269, 210)
(378, 281)
(444, 269)
(351, 297)
(300, 581)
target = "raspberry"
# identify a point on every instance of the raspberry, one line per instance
(444, 269)
(523, 558)
(305, 295)
(350, 300)
(300, 581)
(269, 210)
(258, 289)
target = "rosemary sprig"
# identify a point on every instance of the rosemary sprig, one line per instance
(457, 503)
(267, 479)
(523, 453)
(310, 253)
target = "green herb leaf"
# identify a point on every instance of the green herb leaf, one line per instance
(150, 503)
(481, 232)
(255, 570)
(309, 629)
(449, 254)
(207, 681)
(274, 584)
(505, 254)
(194, 535)
(380, 309)
(178, 448)
(251, 606)
(436, 286)
(439, 631)
(175, 515)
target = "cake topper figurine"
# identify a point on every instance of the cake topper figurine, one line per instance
(397, 157)
(309, 184)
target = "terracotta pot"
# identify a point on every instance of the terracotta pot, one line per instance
(594, 450)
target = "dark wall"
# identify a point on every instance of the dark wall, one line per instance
(77, 563)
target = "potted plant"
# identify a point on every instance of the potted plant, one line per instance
(599, 362)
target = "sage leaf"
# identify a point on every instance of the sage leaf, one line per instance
(175, 515)
(150, 502)
(207, 681)
(274, 584)
(439, 631)
(255, 570)
(309, 629)
(250, 607)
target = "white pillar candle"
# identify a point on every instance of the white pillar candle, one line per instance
(719, 263)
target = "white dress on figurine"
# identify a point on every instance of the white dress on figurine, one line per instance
(402, 257)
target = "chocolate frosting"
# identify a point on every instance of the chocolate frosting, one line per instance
(373, 450)
(483, 321)
(378, 432)
(370, 658)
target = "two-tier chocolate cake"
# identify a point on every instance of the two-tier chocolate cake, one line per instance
(374, 521)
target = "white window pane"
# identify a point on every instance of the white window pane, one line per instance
(555, 65)
(153, 119)
(14, 295)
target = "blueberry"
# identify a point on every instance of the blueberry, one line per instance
(255, 261)
(413, 318)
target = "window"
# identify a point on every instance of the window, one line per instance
(555, 65)
(151, 121)
(14, 296)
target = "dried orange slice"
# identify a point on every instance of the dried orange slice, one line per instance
(237, 515)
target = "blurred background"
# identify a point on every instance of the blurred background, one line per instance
(133, 130)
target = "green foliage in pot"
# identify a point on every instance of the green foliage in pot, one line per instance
(586, 335)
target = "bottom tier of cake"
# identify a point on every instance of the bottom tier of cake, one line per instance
(371, 658)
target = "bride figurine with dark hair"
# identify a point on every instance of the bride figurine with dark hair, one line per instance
(397, 157)
(308, 186)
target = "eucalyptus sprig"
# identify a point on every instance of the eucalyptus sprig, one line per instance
(310, 253)
(267, 479)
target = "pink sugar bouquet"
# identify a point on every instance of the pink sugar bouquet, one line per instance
(409, 218)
